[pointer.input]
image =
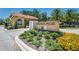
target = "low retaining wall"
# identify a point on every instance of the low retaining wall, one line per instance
(22, 45)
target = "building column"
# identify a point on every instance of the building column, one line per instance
(32, 24)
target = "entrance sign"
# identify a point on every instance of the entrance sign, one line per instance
(49, 25)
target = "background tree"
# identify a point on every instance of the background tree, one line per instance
(43, 16)
(70, 15)
(7, 20)
(1, 21)
(35, 13)
(57, 14)
(26, 12)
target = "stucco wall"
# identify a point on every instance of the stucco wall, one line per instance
(50, 25)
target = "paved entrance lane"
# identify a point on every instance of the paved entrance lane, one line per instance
(75, 30)
(7, 42)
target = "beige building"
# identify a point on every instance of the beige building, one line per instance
(20, 18)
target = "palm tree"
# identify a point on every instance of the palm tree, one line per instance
(43, 16)
(57, 14)
(70, 15)
(7, 20)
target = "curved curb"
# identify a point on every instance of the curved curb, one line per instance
(22, 45)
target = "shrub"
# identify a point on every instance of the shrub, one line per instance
(61, 33)
(24, 24)
(9, 27)
(36, 42)
(39, 34)
(69, 41)
(26, 35)
(52, 45)
(47, 36)
(45, 32)
(1, 22)
(16, 25)
(23, 35)
(54, 35)
(34, 32)
(48, 42)
(29, 38)
(37, 37)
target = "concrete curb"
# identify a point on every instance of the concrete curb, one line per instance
(22, 45)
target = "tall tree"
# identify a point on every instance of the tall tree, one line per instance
(71, 15)
(7, 20)
(43, 16)
(1, 21)
(56, 14)
(26, 12)
(35, 13)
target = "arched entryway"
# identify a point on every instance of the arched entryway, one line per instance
(19, 22)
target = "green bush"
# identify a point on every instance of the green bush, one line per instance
(52, 45)
(36, 42)
(45, 32)
(24, 24)
(29, 38)
(26, 35)
(16, 25)
(61, 33)
(34, 32)
(1, 22)
(48, 42)
(23, 36)
(47, 36)
(39, 34)
(37, 37)
(54, 35)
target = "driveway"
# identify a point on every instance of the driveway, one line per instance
(75, 30)
(7, 42)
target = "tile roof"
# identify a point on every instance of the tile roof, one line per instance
(24, 16)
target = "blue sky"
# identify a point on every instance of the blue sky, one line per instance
(5, 12)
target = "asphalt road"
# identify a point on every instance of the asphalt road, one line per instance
(74, 30)
(7, 42)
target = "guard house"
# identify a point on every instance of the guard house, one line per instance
(20, 18)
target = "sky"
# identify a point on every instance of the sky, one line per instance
(5, 12)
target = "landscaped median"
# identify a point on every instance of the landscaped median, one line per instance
(37, 40)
